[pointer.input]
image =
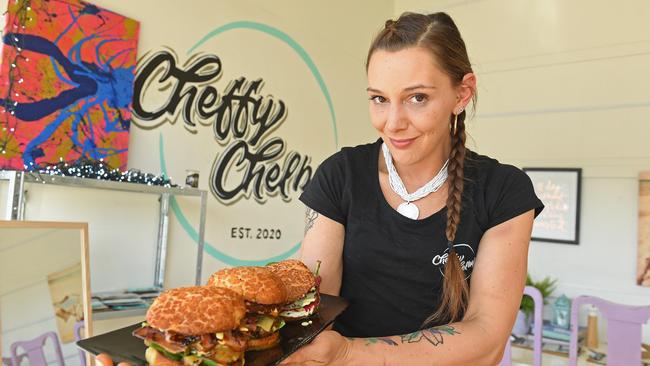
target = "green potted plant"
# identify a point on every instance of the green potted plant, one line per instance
(546, 286)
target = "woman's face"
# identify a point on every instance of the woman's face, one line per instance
(411, 102)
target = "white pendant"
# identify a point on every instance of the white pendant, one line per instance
(409, 210)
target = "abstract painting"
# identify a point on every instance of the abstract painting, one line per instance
(66, 84)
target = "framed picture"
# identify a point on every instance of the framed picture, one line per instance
(559, 190)
(45, 283)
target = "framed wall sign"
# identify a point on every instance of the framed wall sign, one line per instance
(559, 190)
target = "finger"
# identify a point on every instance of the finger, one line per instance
(295, 359)
(291, 360)
(104, 360)
(123, 364)
(305, 363)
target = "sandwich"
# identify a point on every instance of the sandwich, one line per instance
(195, 326)
(302, 289)
(264, 295)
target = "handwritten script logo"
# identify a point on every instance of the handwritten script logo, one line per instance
(253, 163)
(465, 254)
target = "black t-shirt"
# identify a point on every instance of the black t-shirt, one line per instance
(392, 265)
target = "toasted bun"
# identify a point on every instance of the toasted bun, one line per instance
(259, 344)
(297, 278)
(255, 284)
(197, 310)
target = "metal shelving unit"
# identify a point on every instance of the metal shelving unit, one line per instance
(112, 314)
(16, 207)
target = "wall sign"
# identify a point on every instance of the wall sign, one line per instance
(238, 116)
(559, 190)
(263, 133)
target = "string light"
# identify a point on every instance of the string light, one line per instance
(97, 169)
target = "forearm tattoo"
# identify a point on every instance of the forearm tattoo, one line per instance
(310, 218)
(432, 335)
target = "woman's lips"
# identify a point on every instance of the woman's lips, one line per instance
(401, 144)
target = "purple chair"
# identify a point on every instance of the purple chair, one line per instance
(7, 360)
(78, 335)
(33, 350)
(624, 324)
(537, 330)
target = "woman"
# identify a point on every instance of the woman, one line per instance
(435, 276)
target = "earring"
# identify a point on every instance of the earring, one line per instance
(460, 110)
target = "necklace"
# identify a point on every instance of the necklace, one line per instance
(407, 208)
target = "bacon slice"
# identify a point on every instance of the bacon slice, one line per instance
(236, 341)
(159, 337)
(255, 308)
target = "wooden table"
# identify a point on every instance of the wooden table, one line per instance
(524, 357)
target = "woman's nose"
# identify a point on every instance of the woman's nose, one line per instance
(396, 118)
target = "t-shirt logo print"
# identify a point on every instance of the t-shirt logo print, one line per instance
(466, 255)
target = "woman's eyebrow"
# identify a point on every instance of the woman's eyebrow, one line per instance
(409, 88)
(419, 86)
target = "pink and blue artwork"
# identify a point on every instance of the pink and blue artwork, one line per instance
(66, 84)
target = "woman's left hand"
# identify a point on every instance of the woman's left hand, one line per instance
(328, 348)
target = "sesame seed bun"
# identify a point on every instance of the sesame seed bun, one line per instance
(197, 310)
(297, 278)
(255, 284)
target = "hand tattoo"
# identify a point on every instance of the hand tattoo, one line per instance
(310, 218)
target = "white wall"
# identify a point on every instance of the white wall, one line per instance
(328, 33)
(566, 84)
(123, 226)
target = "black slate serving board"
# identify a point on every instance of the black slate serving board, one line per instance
(123, 346)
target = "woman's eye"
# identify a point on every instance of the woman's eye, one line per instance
(418, 98)
(378, 99)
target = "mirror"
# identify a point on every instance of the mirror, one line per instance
(44, 286)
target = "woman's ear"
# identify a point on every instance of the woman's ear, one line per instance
(466, 91)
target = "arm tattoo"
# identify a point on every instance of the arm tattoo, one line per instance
(310, 218)
(432, 335)
(385, 340)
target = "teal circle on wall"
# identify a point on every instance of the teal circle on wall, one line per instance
(182, 219)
